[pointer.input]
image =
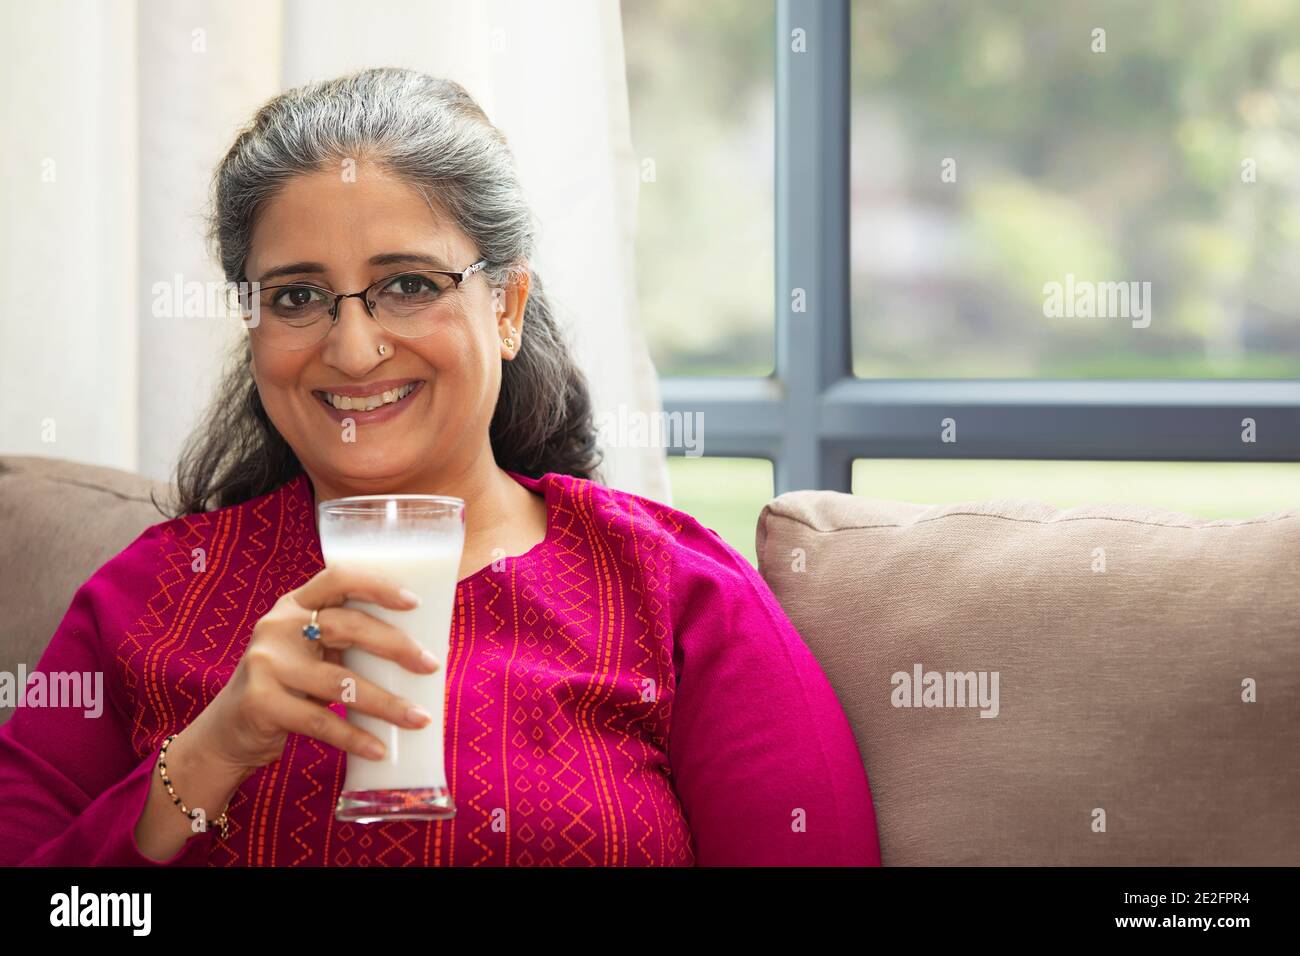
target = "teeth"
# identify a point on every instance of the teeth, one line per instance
(365, 403)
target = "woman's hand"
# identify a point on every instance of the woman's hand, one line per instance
(284, 682)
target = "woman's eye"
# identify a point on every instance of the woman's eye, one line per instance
(412, 284)
(296, 297)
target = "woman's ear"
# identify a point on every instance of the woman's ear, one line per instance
(509, 303)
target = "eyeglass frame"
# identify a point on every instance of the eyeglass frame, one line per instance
(456, 277)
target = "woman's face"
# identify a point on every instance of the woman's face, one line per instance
(328, 230)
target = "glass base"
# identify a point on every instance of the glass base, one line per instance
(376, 806)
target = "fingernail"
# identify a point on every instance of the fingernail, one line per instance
(410, 597)
(428, 660)
(414, 715)
(374, 749)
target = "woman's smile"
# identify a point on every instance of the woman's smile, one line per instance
(368, 404)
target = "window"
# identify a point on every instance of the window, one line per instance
(911, 319)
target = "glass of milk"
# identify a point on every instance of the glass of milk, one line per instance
(416, 541)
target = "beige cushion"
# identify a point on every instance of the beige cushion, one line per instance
(61, 521)
(1119, 690)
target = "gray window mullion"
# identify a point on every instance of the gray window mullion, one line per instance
(812, 344)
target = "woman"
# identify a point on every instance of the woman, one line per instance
(622, 687)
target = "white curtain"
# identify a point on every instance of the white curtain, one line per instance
(115, 114)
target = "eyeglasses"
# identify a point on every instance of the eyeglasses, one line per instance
(298, 315)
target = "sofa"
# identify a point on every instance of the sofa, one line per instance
(1027, 685)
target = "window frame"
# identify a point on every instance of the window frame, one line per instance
(812, 417)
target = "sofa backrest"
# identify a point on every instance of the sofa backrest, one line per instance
(1148, 675)
(59, 522)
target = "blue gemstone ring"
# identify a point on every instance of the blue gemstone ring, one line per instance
(312, 631)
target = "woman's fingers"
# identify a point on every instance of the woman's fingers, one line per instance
(324, 681)
(311, 720)
(344, 627)
(335, 585)
(311, 682)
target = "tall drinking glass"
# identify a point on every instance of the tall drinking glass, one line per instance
(416, 541)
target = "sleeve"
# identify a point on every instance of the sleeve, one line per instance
(71, 787)
(763, 758)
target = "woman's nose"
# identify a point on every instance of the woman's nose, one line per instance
(352, 345)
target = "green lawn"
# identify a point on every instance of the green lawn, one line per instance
(727, 494)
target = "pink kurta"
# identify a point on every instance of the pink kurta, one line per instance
(628, 692)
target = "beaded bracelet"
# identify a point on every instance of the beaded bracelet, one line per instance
(220, 821)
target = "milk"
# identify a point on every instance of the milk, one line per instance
(426, 562)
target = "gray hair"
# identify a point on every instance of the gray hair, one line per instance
(432, 134)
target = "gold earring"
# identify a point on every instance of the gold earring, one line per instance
(509, 342)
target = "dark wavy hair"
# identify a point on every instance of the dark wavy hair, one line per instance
(432, 134)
